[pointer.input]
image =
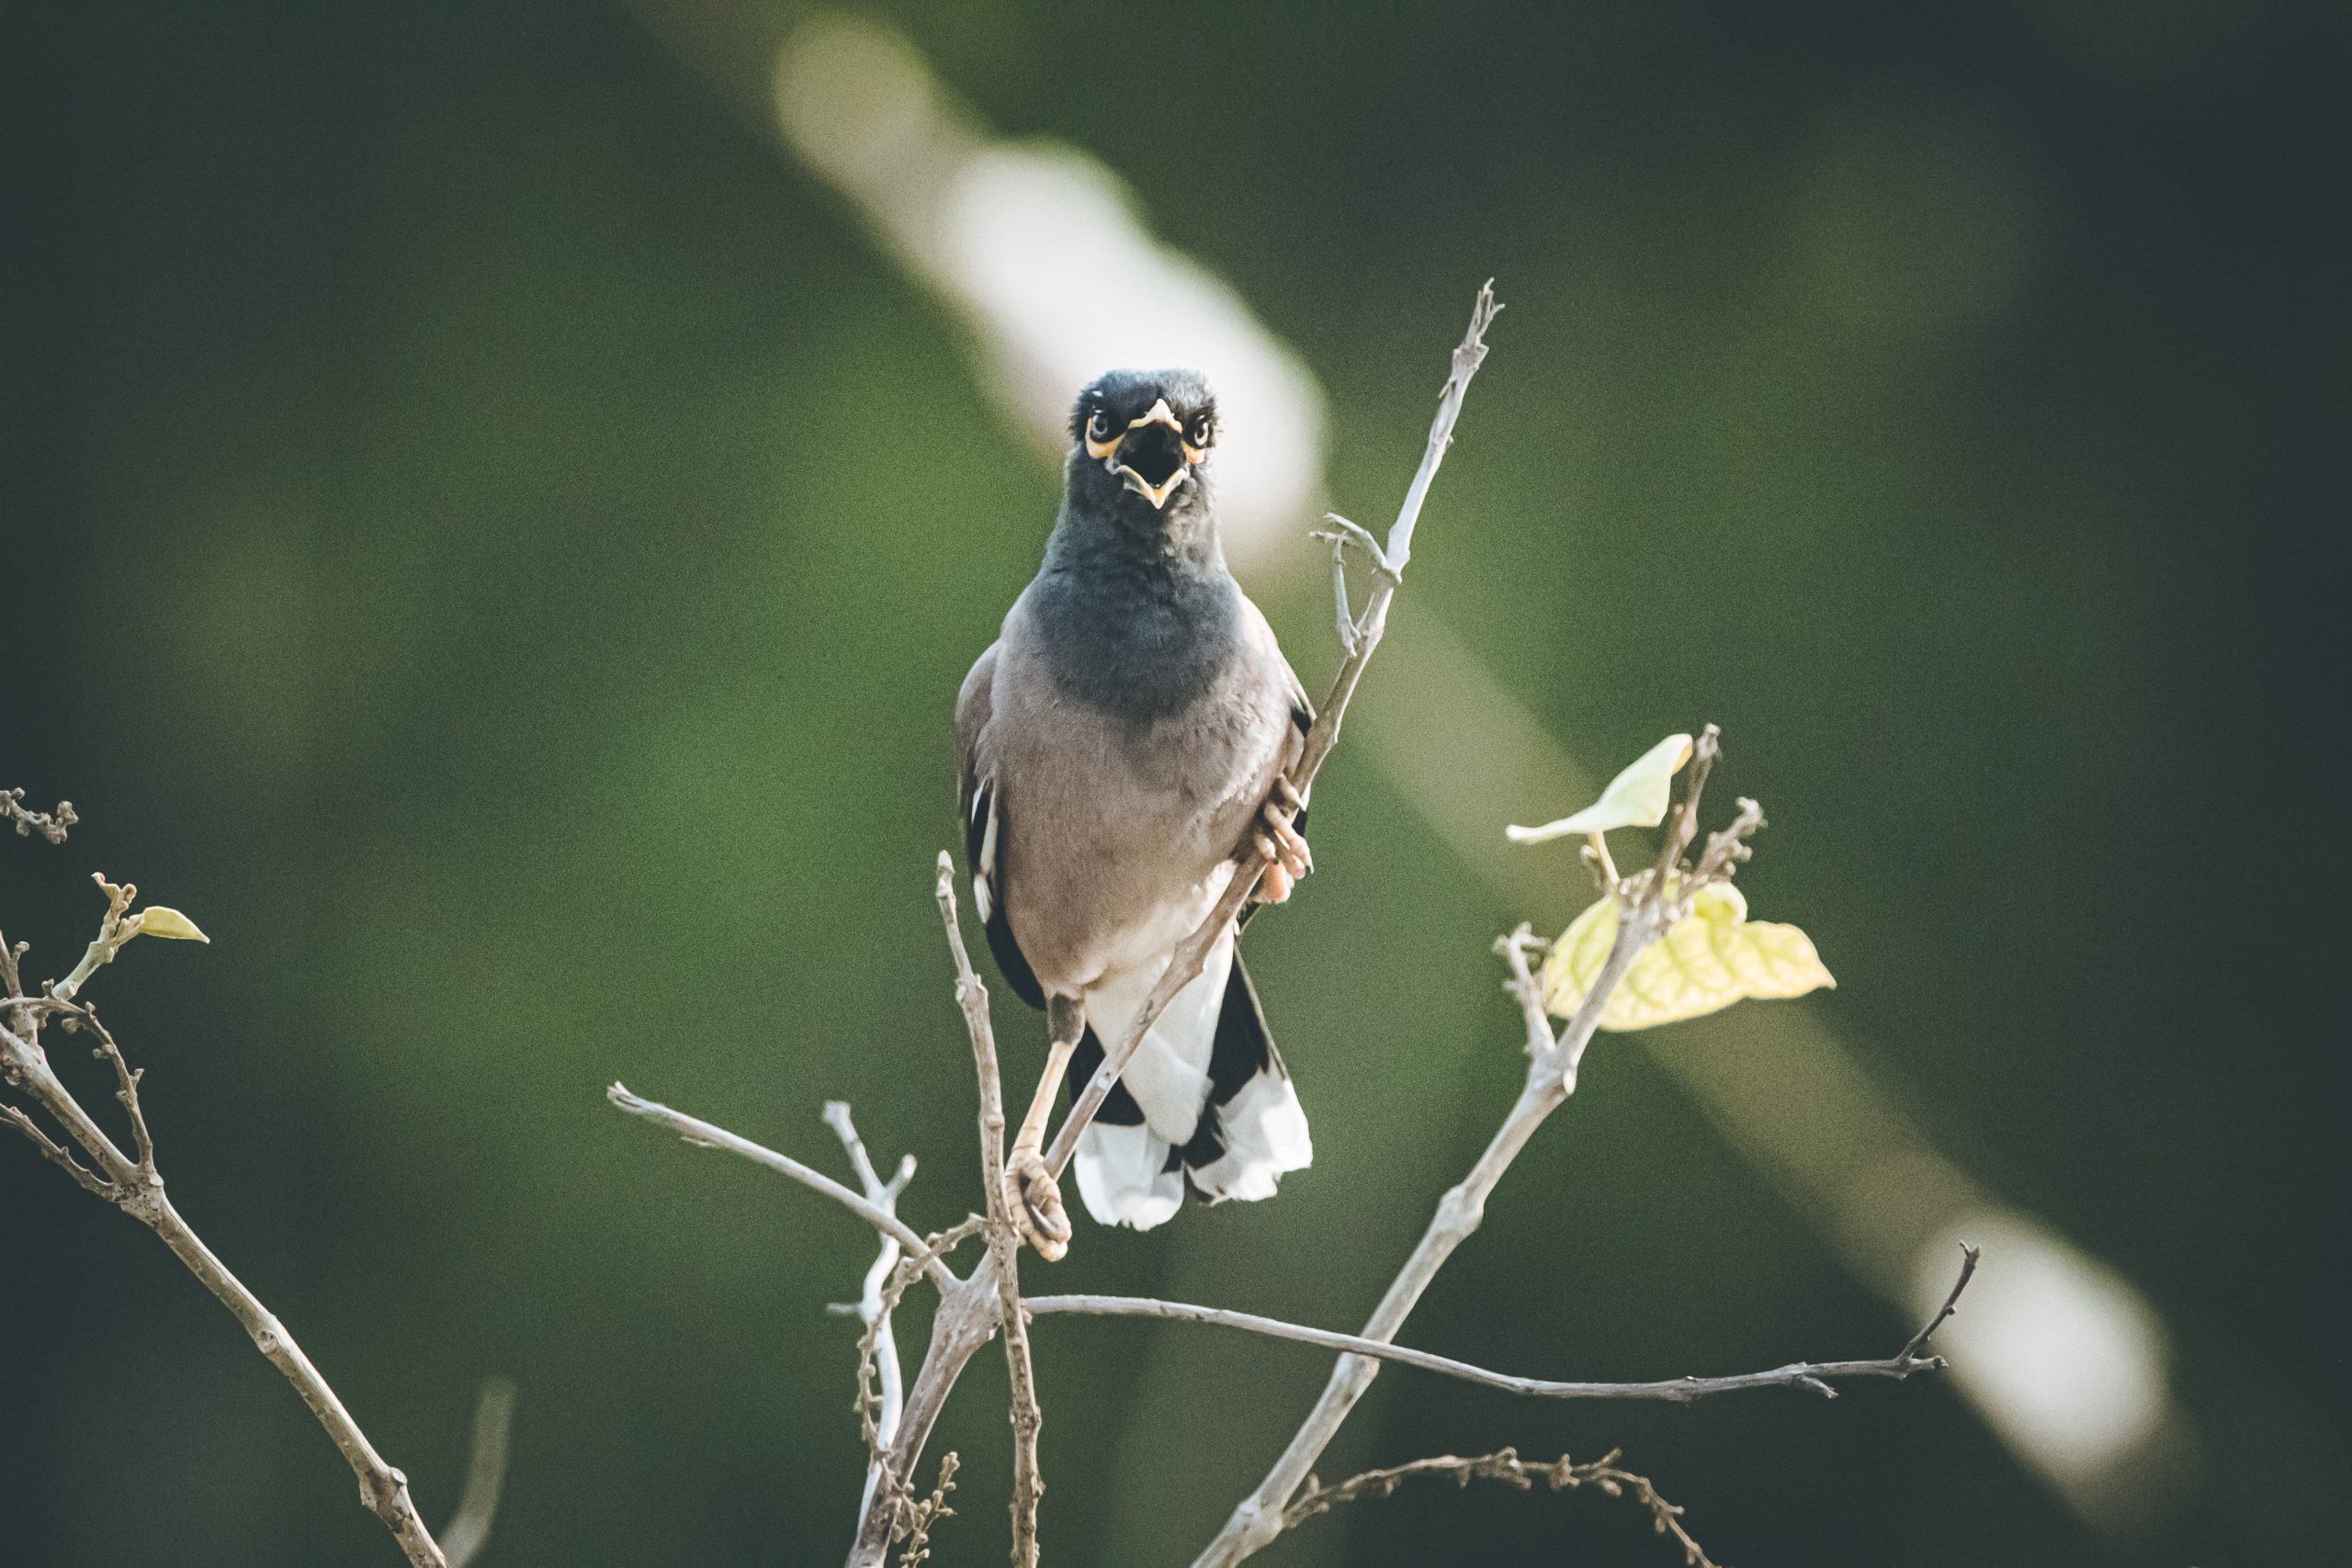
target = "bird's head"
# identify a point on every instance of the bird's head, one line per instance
(1140, 444)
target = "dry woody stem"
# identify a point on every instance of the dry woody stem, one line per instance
(1652, 901)
(131, 1182)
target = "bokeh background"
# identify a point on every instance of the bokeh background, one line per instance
(498, 498)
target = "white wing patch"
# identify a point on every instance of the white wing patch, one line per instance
(984, 870)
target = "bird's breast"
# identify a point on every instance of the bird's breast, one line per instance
(1121, 829)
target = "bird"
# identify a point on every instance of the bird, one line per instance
(1123, 747)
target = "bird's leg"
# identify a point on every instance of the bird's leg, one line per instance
(1030, 1191)
(1287, 856)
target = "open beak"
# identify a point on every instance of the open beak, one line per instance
(1151, 457)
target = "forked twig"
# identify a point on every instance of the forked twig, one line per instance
(1651, 901)
(130, 1182)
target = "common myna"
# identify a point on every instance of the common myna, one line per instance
(1122, 743)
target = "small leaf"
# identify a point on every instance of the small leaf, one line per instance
(1714, 958)
(157, 919)
(1635, 798)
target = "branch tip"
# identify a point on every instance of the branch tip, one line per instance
(1969, 1254)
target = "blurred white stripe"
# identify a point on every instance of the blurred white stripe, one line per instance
(1040, 251)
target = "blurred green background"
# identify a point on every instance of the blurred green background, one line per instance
(462, 543)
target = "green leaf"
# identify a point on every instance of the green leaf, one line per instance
(1715, 956)
(1635, 798)
(157, 919)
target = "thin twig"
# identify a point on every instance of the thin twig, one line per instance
(1388, 566)
(468, 1528)
(1813, 1377)
(126, 1084)
(1918, 1342)
(694, 1130)
(1683, 826)
(1004, 1242)
(1561, 1474)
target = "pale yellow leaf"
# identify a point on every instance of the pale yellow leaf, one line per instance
(1635, 798)
(1714, 958)
(157, 919)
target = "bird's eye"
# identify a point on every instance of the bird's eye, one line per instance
(1199, 433)
(1098, 426)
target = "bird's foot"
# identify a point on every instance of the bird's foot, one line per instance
(1034, 1199)
(1287, 856)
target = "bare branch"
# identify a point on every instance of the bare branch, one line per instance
(132, 1184)
(1004, 1242)
(468, 1528)
(1561, 1474)
(693, 1130)
(49, 825)
(1813, 1377)
(1652, 901)
(1027, 1418)
(1324, 734)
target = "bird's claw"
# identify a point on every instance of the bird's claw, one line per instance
(1034, 1201)
(1284, 848)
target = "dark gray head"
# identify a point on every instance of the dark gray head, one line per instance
(1134, 604)
(1139, 454)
